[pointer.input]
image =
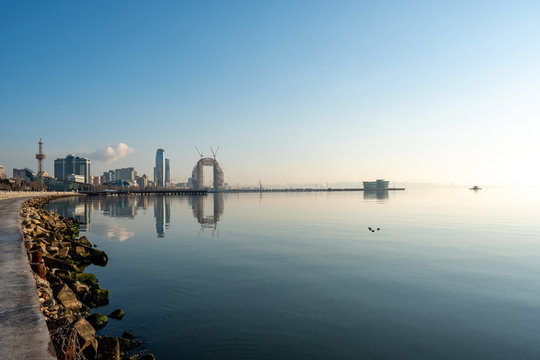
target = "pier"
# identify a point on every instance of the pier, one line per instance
(174, 191)
(128, 191)
(301, 190)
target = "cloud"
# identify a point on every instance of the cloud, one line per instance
(110, 153)
(119, 233)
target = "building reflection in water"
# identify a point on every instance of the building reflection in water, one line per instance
(72, 208)
(128, 206)
(198, 205)
(162, 213)
(375, 195)
(81, 209)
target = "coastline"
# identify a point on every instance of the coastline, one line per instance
(52, 257)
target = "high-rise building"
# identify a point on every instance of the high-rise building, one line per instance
(2, 172)
(142, 181)
(126, 174)
(72, 164)
(24, 174)
(96, 180)
(167, 172)
(158, 170)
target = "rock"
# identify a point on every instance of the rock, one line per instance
(59, 264)
(98, 320)
(127, 335)
(108, 348)
(85, 332)
(97, 297)
(63, 252)
(128, 344)
(83, 240)
(68, 299)
(148, 357)
(80, 250)
(117, 314)
(85, 311)
(86, 278)
(98, 257)
(91, 351)
(79, 288)
(53, 250)
(64, 275)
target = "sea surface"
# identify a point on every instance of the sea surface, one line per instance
(451, 274)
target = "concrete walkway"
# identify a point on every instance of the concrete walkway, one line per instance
(23, 332)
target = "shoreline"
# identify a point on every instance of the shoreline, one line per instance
(66, 295)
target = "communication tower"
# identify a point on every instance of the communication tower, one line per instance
(40, 156)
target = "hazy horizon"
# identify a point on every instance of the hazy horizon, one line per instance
(292, 92)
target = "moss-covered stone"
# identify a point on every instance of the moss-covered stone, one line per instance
(97, 320)
(128, 344)
(98, 257)
(86, 278)
(97, 297)
(117, 314)
(108, 348)
(127, 335)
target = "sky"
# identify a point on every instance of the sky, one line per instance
(291, 91)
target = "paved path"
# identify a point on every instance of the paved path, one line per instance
(23, 332)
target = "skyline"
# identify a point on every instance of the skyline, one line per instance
(302, 92)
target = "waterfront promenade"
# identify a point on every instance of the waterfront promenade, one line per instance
(23, 332)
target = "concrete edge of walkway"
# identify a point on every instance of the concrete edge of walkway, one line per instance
(23, 331)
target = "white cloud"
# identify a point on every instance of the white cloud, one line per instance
(110, 153)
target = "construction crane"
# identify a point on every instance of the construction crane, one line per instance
(200, 153)
(214, 153)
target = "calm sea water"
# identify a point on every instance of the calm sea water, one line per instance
(452, 274)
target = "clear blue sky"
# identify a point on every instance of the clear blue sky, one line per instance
(291, 91)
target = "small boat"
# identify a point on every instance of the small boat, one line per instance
(475, 188)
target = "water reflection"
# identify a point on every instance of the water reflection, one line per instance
(128, 206)
(375, 194)
(162, 213)
(198, 205)
(75, 210)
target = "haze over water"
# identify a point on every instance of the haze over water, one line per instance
(452, 274)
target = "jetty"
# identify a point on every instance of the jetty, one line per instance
(180, 191)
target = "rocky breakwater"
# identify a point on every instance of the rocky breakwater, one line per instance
(58, 257)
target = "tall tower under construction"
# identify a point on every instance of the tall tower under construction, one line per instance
(40, 156)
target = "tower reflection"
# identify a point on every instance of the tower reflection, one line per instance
(198, 205)
(159, 214)
(127, 206)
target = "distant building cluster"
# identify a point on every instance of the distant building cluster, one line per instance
(73, 173)
(66, 169)
(378, 184)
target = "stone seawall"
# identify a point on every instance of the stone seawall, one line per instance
(23, 331)
(67, 295)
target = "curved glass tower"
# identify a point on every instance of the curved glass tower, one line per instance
(158, 170)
